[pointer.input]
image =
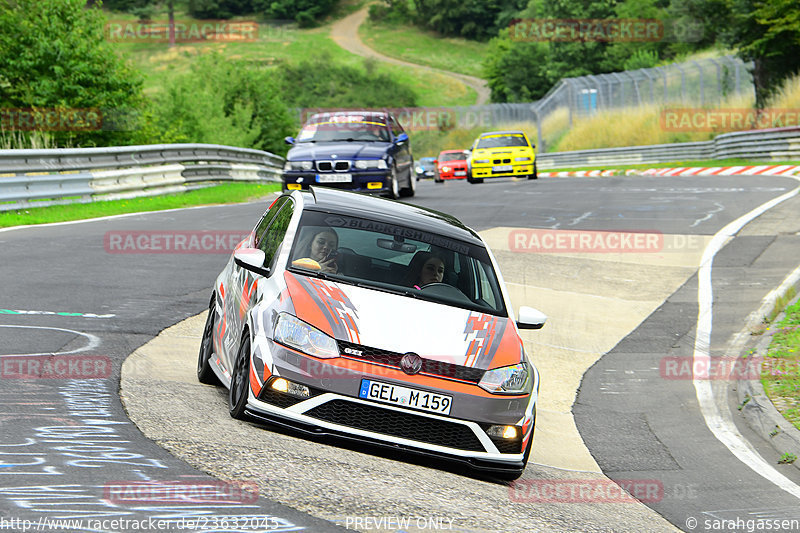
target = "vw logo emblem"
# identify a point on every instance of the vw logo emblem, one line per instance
(411, 363)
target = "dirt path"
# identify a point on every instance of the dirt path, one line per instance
(345, 33)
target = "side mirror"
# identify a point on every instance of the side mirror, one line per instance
(530, 318)
(403, 137)
(436, 162)
(288, 140)
(251, 259)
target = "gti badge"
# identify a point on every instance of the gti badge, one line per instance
(411, 363)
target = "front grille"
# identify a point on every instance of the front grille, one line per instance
(429, 366)
(501, 161)
(397, 424)
(338, 166)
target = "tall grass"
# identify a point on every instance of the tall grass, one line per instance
(18, 140)
(642, 125)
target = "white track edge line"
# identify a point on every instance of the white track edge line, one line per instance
(722, 427)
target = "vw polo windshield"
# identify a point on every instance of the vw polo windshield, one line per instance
(396, 259)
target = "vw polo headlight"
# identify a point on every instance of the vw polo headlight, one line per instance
(514, 379)
(293, 332)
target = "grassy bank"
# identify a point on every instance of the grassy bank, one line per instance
(285, 43)
(415, 45)
(781, 371)
(227, 193)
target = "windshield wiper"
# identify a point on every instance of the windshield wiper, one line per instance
(322, 275)
(400, 291)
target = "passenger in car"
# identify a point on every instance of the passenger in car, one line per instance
(322, 247)
(425, 268)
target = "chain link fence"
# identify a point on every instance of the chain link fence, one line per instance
(698, 83)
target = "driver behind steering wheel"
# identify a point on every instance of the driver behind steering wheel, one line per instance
(425, 268)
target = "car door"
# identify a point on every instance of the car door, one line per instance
(402, 154)
(243, 284)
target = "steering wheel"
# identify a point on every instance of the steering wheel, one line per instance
(435, 284)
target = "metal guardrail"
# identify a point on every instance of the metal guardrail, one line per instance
(779, 144)
(32, 178)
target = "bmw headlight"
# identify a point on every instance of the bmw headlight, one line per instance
(293, 332)
(522, 159)
(445, 169)
(481, 161)
(364, 164)
(298, 165)
(420, 170)
(514, 379)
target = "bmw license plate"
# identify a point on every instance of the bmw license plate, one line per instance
(503, 168)
(460, 173)
(405, 397)
(334, 178)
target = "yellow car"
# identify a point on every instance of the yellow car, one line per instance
(501, 154)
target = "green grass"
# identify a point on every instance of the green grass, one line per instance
(275, 44)
(781, 372)
(227, 193)
(422, 47)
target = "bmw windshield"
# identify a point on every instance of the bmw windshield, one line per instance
(345, 129)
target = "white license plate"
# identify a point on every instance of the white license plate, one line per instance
(403, 396)
(503, 168)
(460, 173)
(334, 178)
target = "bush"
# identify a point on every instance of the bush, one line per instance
(321, 83)
(220, 101)
(54, 56)
(306, 13)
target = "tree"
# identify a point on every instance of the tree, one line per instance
(53, 55)
(221, 101)
(767, 32)
(219, 9)
(305, 12)
(472, 19)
